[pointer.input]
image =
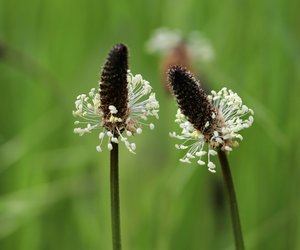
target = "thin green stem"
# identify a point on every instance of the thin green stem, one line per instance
(235, 218)
(115, 199)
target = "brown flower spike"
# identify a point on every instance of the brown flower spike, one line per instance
(193, 101)
(121, 106)
(113, 87)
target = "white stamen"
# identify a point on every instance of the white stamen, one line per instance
(115, 140)
(112, 109)
(109, 146)
(201, 162)
(98, 148)
(151, 126)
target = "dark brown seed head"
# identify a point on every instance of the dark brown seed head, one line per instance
(192, 100)
(113, 86)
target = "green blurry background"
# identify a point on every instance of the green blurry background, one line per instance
(54, 186)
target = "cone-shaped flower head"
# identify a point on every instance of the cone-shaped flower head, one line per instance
(208, 122)
(122, 105)
(113, 88)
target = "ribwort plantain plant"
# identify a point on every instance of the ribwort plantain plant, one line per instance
(119, 109)
(210, 126)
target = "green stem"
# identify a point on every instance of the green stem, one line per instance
(115, 200)
(235, 218)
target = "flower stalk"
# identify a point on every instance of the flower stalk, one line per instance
(115, 197)
(235, 218)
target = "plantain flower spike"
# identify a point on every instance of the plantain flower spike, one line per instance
(120, 107)
(208, 122)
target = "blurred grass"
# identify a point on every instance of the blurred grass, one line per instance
(54, 185)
